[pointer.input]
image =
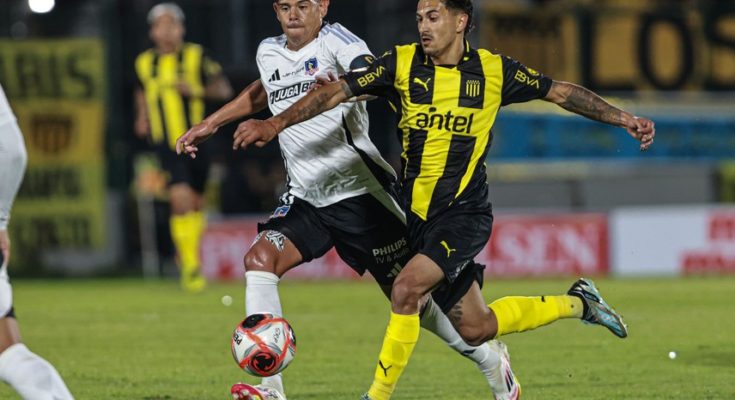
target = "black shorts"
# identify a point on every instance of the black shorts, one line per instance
(367, 231)
(452, 239)
(184, 169)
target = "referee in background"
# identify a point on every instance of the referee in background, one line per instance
(175, 78)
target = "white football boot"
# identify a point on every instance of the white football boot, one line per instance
(506, 386)
(243, 391)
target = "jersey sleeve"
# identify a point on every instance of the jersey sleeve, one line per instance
(521, 84)
(349, 50)
(259, 61)
(376, 79)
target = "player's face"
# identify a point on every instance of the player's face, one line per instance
(438, 26)
(300, 19)
(167, 32)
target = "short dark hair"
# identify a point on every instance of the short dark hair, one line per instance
(464, 6)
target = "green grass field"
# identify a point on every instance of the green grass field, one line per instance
(128, 339)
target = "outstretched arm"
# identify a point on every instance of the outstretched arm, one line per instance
(320, 100)
(582, 101)
(251, 100)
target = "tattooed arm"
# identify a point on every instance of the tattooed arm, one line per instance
(320, 100)
(582, 101)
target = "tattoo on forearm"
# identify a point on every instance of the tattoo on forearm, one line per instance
(312, 108)
(313, 105)
(584, 102)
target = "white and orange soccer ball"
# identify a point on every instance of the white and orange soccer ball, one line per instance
(263, 344)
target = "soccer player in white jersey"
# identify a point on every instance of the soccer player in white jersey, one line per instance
(30, 375)
(338, 184)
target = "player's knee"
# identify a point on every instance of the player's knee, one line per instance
(259, 259)
(406, 294)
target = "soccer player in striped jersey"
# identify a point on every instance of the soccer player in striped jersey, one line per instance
(175, 78)
(338, 184)
(30, 375)
(450, 94)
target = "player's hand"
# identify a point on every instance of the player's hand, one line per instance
(5, 246)
(643, 130)
(253, 131)
(188, 143)
(323, 80)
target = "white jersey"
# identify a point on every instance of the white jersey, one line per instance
(329, 157)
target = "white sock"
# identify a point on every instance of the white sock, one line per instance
(261, 293)
(261, 296)
(487, 360)
(31, 376)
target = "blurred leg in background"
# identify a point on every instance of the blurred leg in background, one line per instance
(186, 195)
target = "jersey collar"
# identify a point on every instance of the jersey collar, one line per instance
(469, 53)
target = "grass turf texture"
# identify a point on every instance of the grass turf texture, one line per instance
(127, 339)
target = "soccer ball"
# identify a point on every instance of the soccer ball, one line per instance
(263, 344)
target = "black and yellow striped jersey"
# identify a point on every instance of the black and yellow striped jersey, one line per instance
(169, 113)
(446, 117)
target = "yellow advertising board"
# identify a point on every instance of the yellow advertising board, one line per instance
(620, 45)
(57, 91)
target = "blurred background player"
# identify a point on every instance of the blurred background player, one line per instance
(338, 182)
(450, 95)
(30, 375)
(175, 79)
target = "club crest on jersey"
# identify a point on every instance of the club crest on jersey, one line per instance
(311, 66)
(280, 211)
